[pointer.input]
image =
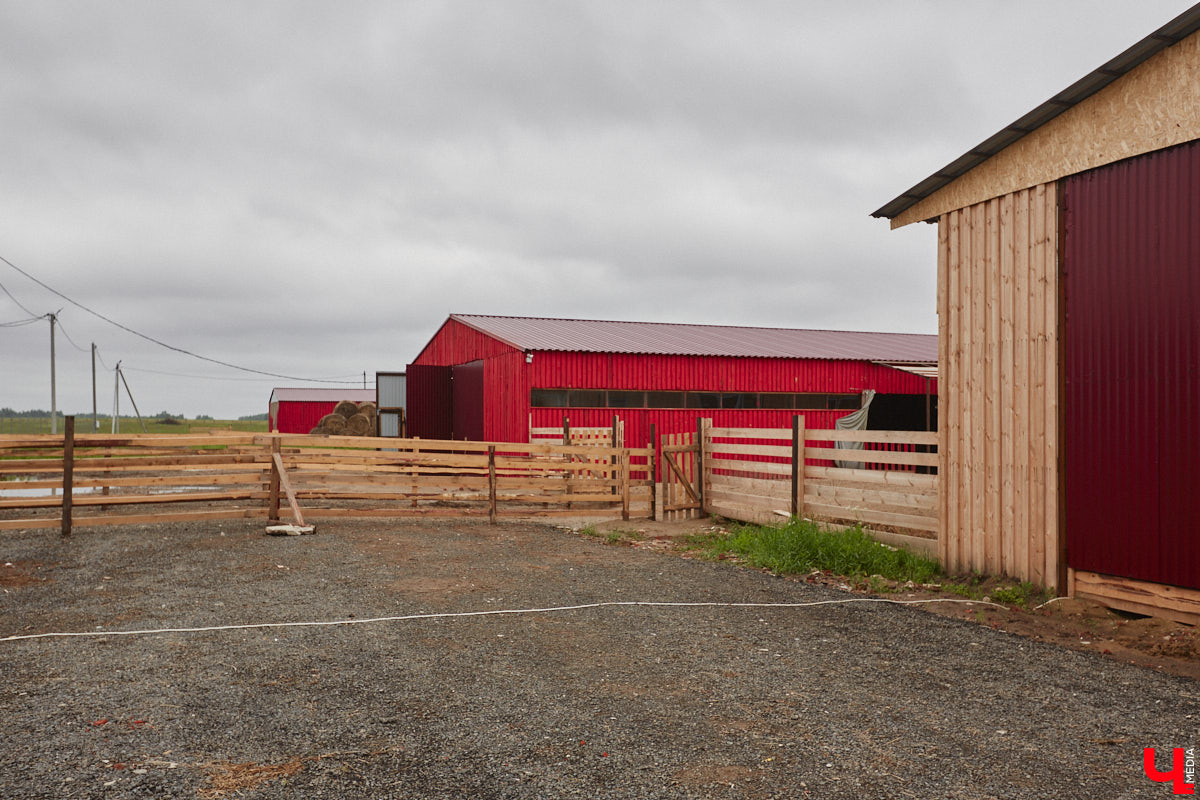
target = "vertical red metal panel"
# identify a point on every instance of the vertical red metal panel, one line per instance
(430, 401)
(1131, 360)
(468, 402)
(301, 416)
(455, 343)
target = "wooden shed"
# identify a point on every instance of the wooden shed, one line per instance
(1068, 289)
(494, 378)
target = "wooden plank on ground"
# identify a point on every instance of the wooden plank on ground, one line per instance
(1140, 597)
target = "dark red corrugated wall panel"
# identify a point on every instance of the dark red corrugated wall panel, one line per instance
(1131, 360)
(430, 404)
(670, 420)
(716, 374)
(301, 416)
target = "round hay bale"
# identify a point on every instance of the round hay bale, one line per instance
(367, 408)
(360, 425)
(332, 424)
(346, 409)
(317, 431)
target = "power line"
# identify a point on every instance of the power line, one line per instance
(63, 331)
(19, 322)
(219, 378)
(151, 339)
(18, 302)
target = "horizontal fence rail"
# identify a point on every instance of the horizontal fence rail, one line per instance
(751, 474)
(98, 479)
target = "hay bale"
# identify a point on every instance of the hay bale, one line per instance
(368, 408)
(317, 431)
(346, 409)
(360, 425)
(333, 424)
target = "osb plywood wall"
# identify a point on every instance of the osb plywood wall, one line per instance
(1154, 106)
(998, 320)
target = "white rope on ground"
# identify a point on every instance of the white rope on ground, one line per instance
(494, 612)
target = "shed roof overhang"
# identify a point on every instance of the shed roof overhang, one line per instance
(1111, 145)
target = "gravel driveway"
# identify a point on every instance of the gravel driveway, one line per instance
(831, 701)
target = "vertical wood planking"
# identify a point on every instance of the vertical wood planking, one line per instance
(998, 441)
(1054, 572)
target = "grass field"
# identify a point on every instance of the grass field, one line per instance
(28, 425)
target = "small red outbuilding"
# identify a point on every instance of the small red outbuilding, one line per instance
(489, 378)
(299, 410)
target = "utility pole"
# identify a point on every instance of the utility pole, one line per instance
(53, 392)
(131, 400)
(116, 420)
(95, 417)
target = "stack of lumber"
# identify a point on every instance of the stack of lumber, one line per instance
(348, 419)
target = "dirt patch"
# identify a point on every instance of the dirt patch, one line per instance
(20, 574)
(1083, 625)
(228, 778)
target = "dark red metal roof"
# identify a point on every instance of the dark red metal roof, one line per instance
(664, 338)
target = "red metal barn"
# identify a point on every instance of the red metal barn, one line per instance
(489, 378)
(299, 410)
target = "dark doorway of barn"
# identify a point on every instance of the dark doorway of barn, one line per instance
(1131, 367)
(902, 412)
(468, 401)
(429, 401)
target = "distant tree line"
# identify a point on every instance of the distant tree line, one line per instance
(40, 413)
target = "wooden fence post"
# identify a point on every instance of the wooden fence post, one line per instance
(626, 468)
(797, 466)
(68, 473)
(702, 428)
(613, 458)
(273, 494)
(568, 458)
(492, 483)
(652, 472)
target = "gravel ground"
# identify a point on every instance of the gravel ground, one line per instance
(832, 701)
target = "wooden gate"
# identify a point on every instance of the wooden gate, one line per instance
(681, 493)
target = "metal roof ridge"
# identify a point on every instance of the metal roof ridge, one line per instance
(462, 318)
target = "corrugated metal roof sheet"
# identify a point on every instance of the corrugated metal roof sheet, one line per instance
(322, 395)
(1174, 31)
(925, 369)
(664, 338)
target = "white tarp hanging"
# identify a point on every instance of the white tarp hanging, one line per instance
(854, 422)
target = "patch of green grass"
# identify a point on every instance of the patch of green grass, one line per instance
(589, 530)
(1023, 594)
(802, 546)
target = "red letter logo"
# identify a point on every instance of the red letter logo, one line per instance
(1177, 775)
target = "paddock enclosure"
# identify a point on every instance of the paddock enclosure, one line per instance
(882, 479)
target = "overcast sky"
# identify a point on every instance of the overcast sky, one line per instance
(310, 188)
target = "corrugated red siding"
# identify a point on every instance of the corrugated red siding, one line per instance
(1131, 364)
(508, 380)
(301, 416)
(716, 374)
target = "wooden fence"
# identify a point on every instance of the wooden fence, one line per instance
(749, 475)
(98, 479)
